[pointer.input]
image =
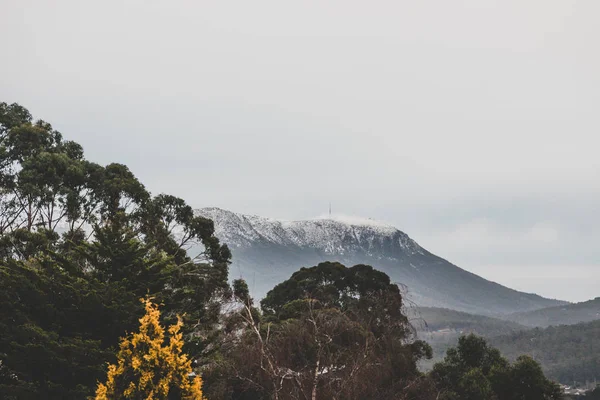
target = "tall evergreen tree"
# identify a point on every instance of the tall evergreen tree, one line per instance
(77, 240)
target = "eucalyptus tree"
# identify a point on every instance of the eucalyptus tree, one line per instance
(79, 244)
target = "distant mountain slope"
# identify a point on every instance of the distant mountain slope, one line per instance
(442, 327)
(567, 314)
(567, 353)
(267, 251)
(434, 319)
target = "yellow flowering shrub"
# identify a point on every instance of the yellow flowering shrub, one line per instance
(147, 368)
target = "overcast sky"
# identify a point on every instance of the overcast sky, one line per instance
(473, 125)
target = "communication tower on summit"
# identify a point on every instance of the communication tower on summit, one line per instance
(329, 210)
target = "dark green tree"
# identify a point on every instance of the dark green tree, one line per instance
(327, 332)
(57, 330)
(79, 244)
(474, 370)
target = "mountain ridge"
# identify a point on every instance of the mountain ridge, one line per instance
(271, 250)
(248, 228)
(567, 314)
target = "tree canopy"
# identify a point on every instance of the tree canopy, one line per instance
(79, 244)
(327, 332)
(475, 371)
(567, 353)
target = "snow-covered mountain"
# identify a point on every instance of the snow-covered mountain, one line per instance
(267, 251)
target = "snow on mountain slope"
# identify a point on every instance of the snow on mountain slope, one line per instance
(267, 251)
(338, 235)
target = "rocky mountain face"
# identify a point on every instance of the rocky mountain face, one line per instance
(267, 251)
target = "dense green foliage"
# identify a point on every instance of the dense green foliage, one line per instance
(567, 353)
(328, 332)
(442, 328)
(80, 243)
(57, 330)
(475, 371)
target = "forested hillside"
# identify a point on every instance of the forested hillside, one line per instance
(434, 319)
(567, 314)
(567, 353)
(442, 327)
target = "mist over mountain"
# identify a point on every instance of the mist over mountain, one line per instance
(267, 251)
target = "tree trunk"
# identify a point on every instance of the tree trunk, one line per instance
(315, 381)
